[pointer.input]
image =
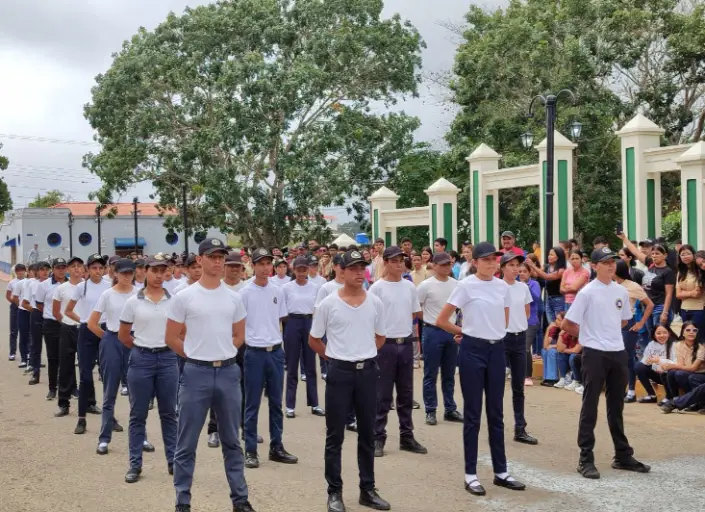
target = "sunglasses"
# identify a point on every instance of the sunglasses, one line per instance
(691, 329)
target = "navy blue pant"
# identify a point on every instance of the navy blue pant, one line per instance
(152, 374)
(113, 357)
(23, 328)
(14, 329)
(52, 331)
(88, 344)
(647, 375)
(263, 370)
(630, 339)
(35, 355)
(693, 397)
(677, 380)
(201, 388)
(515, 353)
(295, 349)
(68, 342)
(482, 367)
(697, 316)
(396, 367)
(440, 352)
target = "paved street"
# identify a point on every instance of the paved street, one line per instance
(46, 467)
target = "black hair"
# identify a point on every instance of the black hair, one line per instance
(407, 263)
(560, 254)
(599, 240)
(428, 250)
(696, 344)
(683, 269)
(405, 239)
(352, 247)
(628, 254)
(441, 241)
(623, 270)
(669, 342)
(573, 241)
(454, 254)
(576, 251)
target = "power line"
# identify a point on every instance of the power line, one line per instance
(48, 168)
(49, 140)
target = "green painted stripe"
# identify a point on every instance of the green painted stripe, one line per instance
(651, 208)
(434, 219)
(388, 238)
(692, 205)
(489, 201)
(448, 224)
(563, 200)
(476, 206)
(375, 224)
(631, 193)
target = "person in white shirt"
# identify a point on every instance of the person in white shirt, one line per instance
(234, 271)
(354, 324)
(23, 324)
(36, 320)
(313, 274)
(396, 357)
(79, 308)
(332, 286)
(214, 319)
(264, 359)
(440, 351)
(153, 369)
(113, 355)
(300, 300)
(170, 283)
(281, 276)
(600, 311)
(140, 273)
(484, 302)
(20, 271)
(68, 336)
(515, 340)
(194, 271)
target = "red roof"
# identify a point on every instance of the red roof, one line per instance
(86, 209)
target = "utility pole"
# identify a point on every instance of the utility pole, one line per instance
(184, 211)
(135, 212)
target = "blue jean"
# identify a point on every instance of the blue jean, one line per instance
(697, 316)
(14, 329)
(440, 352)
(565, 363)
(550, 363)
(263, 370)
(630, 339)
(88, 344)
(201, 388)
(152, 374)
(655, 319)
(554, 305)
(112, 356)
(23, 328)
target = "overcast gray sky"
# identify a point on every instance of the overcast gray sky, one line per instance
(51, 50)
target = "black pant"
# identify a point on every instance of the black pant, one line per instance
(68, 337)
(88, 344)
(396, 368)
(647, 375)
(515, 353)
(52, 332)
(578, 362)
(14, 329)
(349, 387)
(212, 418)
(600, 369)
(35, 355)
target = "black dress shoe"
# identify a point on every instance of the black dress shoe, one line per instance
(379, 448)
(410, 444)
(588, 470)
(213, 440)
(630, 464)
(51, 395)
(318, 411)
(351, 427)
(243, 507)
(147, 446)
(116, 426)
(251, 460)
(281, 455)
(93, 409)
(133, 475)
(182, 508)
(34, 381)
(335, 502)
(170, 468)
(453, 417)
(61, 412)
(522, 436)
(629, 399)
(512, 485)
(668, 407)
(74, 393)
(371, 499)
(431, 418)
(475, 490)
(80, 427)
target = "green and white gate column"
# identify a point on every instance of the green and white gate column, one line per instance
(443, 205)
(484, 203)
(641, 190)
(692, 164)
(562, 189)
(383, 200)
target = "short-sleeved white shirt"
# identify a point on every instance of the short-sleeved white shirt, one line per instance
(265, 306)
(171, 286)
(433, 295)
(350, 331)
(148, 319)
(33, 292)
(209, 316)
(319, 280)
(519, 297)
(599, 310)
(110, 305)
(64, 294)
(11, 285)
(139, 285)
(86, 295)
(26, 290)
(279, 281)
(325, 290)
(16, 286)
(180, 288)
(45, 295)
(401, 301)
(482, 304)
(235, 287)
(300, 299)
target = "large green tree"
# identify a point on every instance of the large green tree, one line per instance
(264, 110)
(51, 198)
(5, 199)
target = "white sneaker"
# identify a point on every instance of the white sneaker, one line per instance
(560, 384)
(123, 391)
(508, 372)
(572, 386)
(579, 390)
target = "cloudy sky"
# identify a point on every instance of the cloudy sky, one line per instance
(51, 50)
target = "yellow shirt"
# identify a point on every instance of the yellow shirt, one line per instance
(689, 284)
(419, 276)
(635, 291)
(684, 355)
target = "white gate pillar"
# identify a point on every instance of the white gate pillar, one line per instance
(443, 207)
(692, 164)
(484, 204)
(383, 199)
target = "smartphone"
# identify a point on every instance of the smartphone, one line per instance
(620, 227)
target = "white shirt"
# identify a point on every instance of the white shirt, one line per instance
(482, 304)
(401, 301)
(300, 299)
(148, 319)
(319, 280)
(265, 305)
(33, 292)
(45, 295)
(15, 286)
(181, 287)
(64, 294)
(139, 285)
(433, 295)
(599, 309)
(327, 289)
(171, 286)
(235, 287)
(110, 305)
(279, 281)
(86, 295)
(26, 290)
(519, 297)
(350, 331)
(11, 285)
(108, 279)
(209, 316)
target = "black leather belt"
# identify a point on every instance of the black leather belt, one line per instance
(398, 341)
(299, 315)
(212, 364)
(157, 350)
(352, 365)
(473, 338)
(515, 333)
(273, 348)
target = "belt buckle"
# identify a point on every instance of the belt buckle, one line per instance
(269, 349)
(492, 342)
(217, 364)
(400, 341)
(359, 366)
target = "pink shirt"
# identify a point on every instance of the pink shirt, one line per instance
(571, 276)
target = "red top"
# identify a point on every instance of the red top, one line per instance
(568, 340)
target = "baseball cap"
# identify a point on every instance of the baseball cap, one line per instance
(140, 263)
(59, 262)
(42, 264)
(509, 234)
(351, 258)
(509, 256)
(212, 245)
(391, 252)
(280, 262)
(157, 261)
(75, 258)
(260, 254)
(190, 260)
(441, 258)
(301, 261)
(233, 258)
(124, 265)
(646, 243)
(312, 261)
(20, 266)
(337, 259)
(484, 249)
(604, 254)
(95, 258)
(113, 259)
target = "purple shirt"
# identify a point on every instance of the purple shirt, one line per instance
(535, 290)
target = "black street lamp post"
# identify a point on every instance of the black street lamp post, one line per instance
(98, 219)
(70, 235)
(135, 212)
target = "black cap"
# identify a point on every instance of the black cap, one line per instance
(260, 254)
(392, 252)
(140, 263)
(190, 260)
(484, 249)
(312, 261)
(113, 259)
(646, 243)
(75, 258)
(441, 258)
(211, 246)
(157, 260)
(95, 258)
(124, 265)
(351, 258)
(301, 261)
(337, 259)
(604, 254)
(20, 266)
(509, 234)
(59, 262)
(509, 256)
(234, 258)
(280, 262)
(42, 264)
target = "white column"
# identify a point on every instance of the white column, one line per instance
(382, 200)
(440, 194)
(483, 159)
(692, 164)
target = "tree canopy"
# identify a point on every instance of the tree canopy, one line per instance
(5, 199)
(51, 198)
(264, 110)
